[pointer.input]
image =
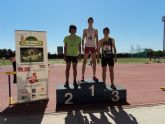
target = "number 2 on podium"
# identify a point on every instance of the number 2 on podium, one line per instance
(70, 96)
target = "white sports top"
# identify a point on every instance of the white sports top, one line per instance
(90, 38)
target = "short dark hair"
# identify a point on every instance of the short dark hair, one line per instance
(72, 27)
(90, 19)
(106, 29)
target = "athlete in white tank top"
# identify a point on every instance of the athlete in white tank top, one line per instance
(90, 46)
(90, 39)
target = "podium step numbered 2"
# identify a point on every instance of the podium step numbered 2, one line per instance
(89, 92)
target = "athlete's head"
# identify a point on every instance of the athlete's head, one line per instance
(72, 29)
(106, 31)
(90, 21)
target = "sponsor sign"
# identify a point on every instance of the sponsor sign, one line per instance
(32, 65)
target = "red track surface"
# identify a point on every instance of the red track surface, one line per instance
(142, 81)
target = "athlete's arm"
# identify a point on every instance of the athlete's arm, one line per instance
(80, 51)
(115, 51)
(83, 37)
(65, 50)
(98, 53)
(97, 43)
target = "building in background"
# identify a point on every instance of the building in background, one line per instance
(60, 50)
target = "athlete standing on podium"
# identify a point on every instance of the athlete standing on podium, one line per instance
(108, 56)
(72, 51)
(90, 46)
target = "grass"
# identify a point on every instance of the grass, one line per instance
(5, 62)
(56, 61)
(132, 60)
(120, 61)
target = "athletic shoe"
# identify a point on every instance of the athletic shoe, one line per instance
(113, 86)
(66, 85)
(82, 79)
(95, 79)
(75, 84)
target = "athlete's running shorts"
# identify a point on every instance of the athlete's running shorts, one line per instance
(73, 59)
(90, 50)
(107, 60)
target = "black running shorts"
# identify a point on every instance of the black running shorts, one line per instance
(73, 59)
(107, 60)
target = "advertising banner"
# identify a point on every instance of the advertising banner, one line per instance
(32, 65)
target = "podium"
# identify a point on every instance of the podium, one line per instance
(89, 92)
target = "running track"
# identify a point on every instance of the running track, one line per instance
(142, 81)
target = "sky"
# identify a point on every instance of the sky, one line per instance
(132, 22)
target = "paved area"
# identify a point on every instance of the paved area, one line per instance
(138, 115)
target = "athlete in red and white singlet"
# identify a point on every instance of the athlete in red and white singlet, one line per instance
(90, 47)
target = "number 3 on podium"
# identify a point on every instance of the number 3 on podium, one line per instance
(115, 96)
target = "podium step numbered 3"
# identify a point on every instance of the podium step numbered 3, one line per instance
(89, 92)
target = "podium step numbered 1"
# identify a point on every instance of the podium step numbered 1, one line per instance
(90, 92)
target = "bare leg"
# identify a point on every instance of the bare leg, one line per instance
(104, 70)
(111, 69)
(94, 63)
(74, 71)
(68, 64)
(84, 63)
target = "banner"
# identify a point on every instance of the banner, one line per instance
(32, 65)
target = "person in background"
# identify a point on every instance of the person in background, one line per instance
(150, 55)
(13, 60)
